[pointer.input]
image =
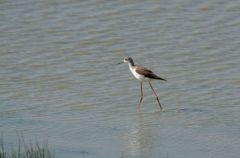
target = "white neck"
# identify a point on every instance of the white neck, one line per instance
(130, 66)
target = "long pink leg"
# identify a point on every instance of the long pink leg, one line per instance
(155, 95)
(140, 101)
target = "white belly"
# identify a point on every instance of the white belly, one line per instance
(138, 76)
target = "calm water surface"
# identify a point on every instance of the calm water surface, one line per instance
(59, 81)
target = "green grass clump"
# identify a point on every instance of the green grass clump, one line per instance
(26, 151)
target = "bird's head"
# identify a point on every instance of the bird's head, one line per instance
(127, 60)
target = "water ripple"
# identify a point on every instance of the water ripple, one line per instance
(58, 76)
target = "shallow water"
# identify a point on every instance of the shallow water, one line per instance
(59, 81)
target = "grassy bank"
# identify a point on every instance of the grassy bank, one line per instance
(23, 150)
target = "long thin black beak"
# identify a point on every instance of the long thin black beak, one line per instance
(119, 63)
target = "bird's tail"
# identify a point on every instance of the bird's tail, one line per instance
(153, 76)
(159, 78)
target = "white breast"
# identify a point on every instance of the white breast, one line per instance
(136, 75)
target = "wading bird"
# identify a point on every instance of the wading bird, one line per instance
(142, 74)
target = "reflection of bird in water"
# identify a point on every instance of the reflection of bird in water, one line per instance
(142, 135)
